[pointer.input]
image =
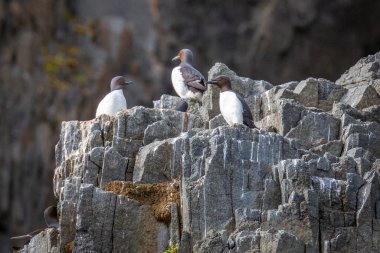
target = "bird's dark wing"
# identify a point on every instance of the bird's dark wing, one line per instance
(247, 114)
(196, 86)
(193, 78)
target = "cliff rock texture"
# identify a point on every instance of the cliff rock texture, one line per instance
(58, 56)
(305, 180)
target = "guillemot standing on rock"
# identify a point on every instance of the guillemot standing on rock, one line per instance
(115, 100)
(187, 81)
(232, 106)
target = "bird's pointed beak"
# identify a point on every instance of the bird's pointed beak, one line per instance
(175, 58)
(126, 82)
(212, 82)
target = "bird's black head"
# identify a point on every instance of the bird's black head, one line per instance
(119, 82)
(185, 56)
(223, 82)
(51, 217)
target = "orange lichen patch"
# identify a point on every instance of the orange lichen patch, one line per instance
(158, 196)
(69, 247)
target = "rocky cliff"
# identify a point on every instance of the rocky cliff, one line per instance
(306, 180)
(58, 56)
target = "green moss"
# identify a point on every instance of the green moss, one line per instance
(172, 249)
(64, 65)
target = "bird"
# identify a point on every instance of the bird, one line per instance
(51, 217)
(187, 81)
(232, 106)
(51, 220)
(115, 100)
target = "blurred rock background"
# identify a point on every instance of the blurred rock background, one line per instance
(57, 58)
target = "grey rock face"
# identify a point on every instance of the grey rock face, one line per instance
(46, 241)
(107, 222)
(158, 162)
(166, 102)
(114, 167)
(305, 181)
(282, 241)
(217, 121)
(363, 83)
(319, 93)
(234, 158)
(315, 129)
(363, 135)
(364, 73)
(94, 220)
(361, 97)
(94, 153)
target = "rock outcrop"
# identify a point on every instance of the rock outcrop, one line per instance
(306, 180)
(58, 56)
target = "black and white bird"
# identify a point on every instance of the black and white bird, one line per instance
(232, 106)
(115, 100)
(187, 81)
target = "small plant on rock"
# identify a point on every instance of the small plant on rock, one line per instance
(172, 249)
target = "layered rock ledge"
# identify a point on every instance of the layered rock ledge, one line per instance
(306, 180)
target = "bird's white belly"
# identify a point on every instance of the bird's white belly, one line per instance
(112, 103)
(231, 108)
(179, 84)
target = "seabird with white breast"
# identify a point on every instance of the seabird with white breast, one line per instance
(115, 100)
(187, 81)
(232, 106)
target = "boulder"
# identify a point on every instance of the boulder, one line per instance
(217, 121)
(361, 97)
(363, 83)
(315, 129)
(167, 102)
(363, 74)
(158, 162)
